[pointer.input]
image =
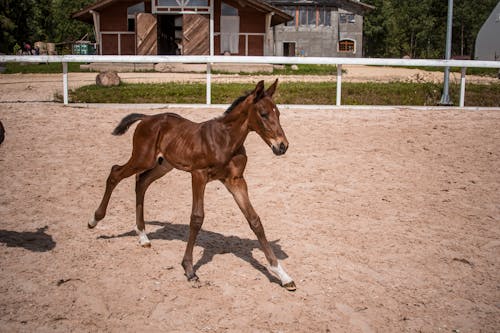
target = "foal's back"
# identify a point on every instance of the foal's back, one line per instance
(185, 144)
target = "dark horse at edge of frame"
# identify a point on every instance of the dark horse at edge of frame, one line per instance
(211, 150)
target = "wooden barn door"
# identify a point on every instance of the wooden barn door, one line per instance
(195, 34)
(146, 34)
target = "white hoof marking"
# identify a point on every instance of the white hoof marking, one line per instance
(143, 238)
(92, 223)
(281, 274)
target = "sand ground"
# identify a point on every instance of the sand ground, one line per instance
(388, 221)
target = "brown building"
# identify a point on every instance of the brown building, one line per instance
(169, 27)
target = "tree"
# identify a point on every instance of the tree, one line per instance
(418, 28)
(15, 21)
(40, 20)
(468, 18)
(65, 28)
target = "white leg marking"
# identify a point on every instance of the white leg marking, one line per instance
(92, 223)
(281, 274)
(143, 238)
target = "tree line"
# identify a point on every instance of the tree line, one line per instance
(23, 21)
(398, 28)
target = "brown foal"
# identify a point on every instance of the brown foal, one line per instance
(211, 150)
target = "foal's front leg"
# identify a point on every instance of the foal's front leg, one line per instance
(199, 182)
(238, 188)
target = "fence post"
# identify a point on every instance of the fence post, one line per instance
(65, 82)
(209, 83)
(462, 87)
(339, 83)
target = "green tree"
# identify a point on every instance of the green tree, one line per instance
(65, 28)
(40, 20)
(15, 20)
(468, 17)
(418, 28)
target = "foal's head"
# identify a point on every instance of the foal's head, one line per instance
(264, 117)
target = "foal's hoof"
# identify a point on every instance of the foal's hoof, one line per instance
(194, 280)
(290, 286)
(92, 224)
(192, 277)
(146, 244)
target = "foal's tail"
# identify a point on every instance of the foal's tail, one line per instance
(127, 122)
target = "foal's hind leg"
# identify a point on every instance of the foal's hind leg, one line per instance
(141, 185)
(199, 182)
(117, 174)
(142, 159)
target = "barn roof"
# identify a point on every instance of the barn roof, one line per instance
(279, 16)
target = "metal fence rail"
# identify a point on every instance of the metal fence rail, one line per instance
(209, 60)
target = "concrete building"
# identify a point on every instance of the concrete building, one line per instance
(488, 40)
(320, 28)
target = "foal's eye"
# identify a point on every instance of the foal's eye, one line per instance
(264, 115)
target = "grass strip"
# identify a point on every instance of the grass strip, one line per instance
(40, 68)
(315, 93)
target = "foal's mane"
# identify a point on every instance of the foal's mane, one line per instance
(236, 102)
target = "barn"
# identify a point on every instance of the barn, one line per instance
(183, 27)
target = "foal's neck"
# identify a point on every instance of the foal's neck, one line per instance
(235, 124)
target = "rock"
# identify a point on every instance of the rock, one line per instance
(108, 79)
(294, 67)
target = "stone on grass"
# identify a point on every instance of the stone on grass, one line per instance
(108, 79)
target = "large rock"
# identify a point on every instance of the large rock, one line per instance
(108, 79)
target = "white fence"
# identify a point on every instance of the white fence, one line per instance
(209, 60)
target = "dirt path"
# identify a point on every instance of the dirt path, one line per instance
(43, 87)
(387, 220)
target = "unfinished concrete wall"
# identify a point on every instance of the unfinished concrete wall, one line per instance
(321, 41)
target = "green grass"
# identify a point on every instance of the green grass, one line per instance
(40, 68)
(394, 93)
(491, 72)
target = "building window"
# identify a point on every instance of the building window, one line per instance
(182, 3)
(347, 18)
(347, 45)
(131, 12)
(325, 17)
(227, 10)
(290, 10)
(307, 15)
(310, 15)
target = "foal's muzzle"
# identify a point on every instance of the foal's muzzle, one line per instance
(279, 149)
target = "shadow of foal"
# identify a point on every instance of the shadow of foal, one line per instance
(213, 243)
(38, 241)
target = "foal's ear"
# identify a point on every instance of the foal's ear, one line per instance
(272, 89)
(258, 92)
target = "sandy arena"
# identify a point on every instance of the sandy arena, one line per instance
(388, 221)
